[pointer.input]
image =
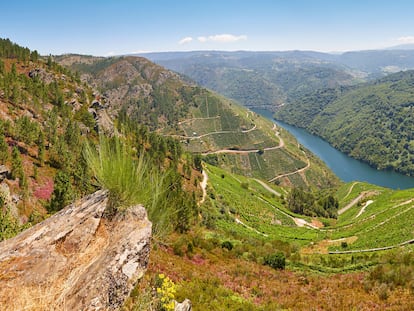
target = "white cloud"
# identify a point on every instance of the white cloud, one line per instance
(223, 38)
(185, 40)
(111, 53)
(202, 39)
(406, 39)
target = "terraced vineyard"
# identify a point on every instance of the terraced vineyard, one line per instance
(244, 142)
(239, 204)
(242, 205)
(386, 221)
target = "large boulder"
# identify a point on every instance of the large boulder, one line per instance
(78, 259)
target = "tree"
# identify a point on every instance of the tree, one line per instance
(13, 71)
(62, 192)
(276, 261)
(34, 56)
(41, 148)
(17, 168)
(16, 163)
(198, 163)
(49, 61)
(4, 149)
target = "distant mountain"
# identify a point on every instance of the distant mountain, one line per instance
(409, 46)
(258, 79)
(271, 79)
(377, 63)
(372, 122)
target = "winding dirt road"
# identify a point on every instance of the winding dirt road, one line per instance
(203, 185)
(363, 194)
(267, 187)
(295, 172)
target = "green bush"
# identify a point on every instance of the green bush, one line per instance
(245, 185)
(276, 261)
(227, 244)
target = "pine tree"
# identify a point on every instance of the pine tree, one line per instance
(4, 149)
(17, 168)
(49, 61)
(62, 193)
(1, 67)
(41, 148)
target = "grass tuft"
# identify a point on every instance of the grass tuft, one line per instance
(115, 168)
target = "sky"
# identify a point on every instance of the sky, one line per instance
(115, 27)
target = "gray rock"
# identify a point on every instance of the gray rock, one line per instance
(184, 306)
(4, 172)
(77, 259)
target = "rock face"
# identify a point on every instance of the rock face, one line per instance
(75, 260)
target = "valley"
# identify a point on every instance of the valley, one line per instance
(243, 216)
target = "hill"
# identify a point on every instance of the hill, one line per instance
(44, 120)
(48, 117)
(264, 80)
(372, 122)
(268, 80)
(234, 241)
(205, 123)
(245, 222)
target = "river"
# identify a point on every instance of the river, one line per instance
(345, 167)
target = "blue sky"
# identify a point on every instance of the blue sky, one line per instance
(110, 27)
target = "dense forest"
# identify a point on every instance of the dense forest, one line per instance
(371, 122)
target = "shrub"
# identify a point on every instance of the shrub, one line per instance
(166, 290)
(9, 226)
(276, 261)
(227, 244)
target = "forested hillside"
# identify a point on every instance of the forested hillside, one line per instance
(373, 122)
(48, 117)
(44, 119)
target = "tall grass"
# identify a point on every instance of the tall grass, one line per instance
(131, 180)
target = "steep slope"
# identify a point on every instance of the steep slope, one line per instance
(371, 122)
(48, 116)
(220, 266)
(206, 123)
(44, 119)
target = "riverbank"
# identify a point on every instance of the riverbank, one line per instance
(345, 167)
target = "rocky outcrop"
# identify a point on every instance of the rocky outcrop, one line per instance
(76, 260)
(42, 74)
